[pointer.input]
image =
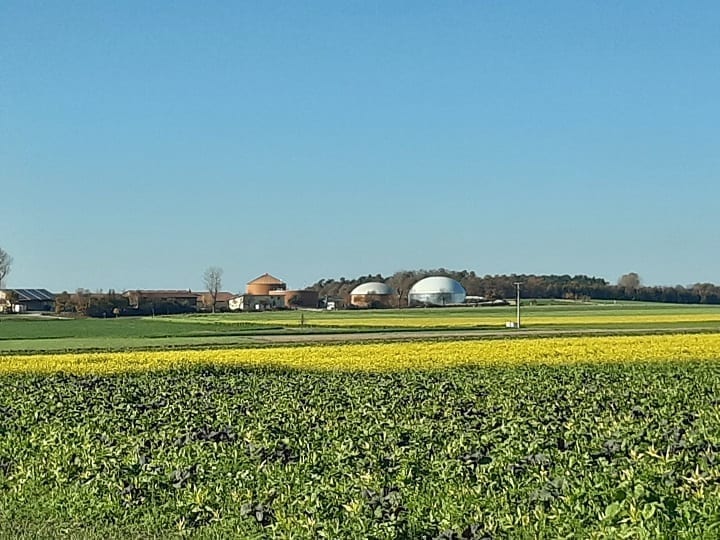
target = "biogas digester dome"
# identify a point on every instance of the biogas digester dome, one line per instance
(436, 291)
(373, 287)
(372, 295)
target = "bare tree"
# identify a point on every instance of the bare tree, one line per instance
(5, 263)
(213, 281)
(630, 282)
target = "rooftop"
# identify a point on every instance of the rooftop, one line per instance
(266, 279)
(30, 295)
(164, 293)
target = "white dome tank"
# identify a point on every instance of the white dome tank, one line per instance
(374, 288)
(436, 291)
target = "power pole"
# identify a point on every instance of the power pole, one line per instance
(517, 302)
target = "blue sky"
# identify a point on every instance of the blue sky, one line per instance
(142, 142)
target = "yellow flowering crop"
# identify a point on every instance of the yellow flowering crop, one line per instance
(387, 356)
(541, 320)
(378, 319)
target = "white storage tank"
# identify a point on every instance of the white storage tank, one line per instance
(372, 294)
(436, 291)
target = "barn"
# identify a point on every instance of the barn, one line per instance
(27, 300)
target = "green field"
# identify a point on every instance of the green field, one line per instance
(612, 451)
(584, 449)
(555, 315)
(49, 334)
(31, 334)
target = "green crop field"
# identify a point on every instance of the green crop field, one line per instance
(52, 334)
(564, 444)
(34, 334)
(629, 314)
(576, 451)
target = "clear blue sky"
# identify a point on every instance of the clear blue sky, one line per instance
(141, 142)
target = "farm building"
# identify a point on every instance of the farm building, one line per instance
(269, 292)
(183, 298)
(222, 302)
(19, 300)
(301, 298)
(256, 302)
(264, 284)
(373, 295)
(436, 291)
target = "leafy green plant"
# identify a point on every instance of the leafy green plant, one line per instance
(606, 451)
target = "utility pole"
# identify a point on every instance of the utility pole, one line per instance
(517, 302)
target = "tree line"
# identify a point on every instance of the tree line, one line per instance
(494, 287)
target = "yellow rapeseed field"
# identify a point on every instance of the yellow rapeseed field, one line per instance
(382, 320)
(541, 320)
(387, 356)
